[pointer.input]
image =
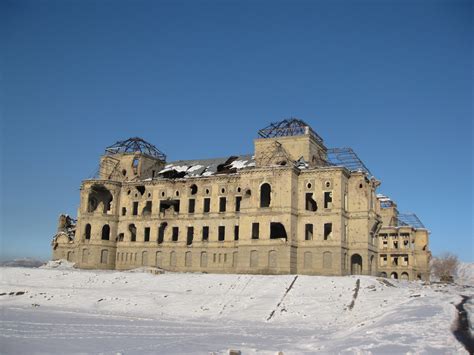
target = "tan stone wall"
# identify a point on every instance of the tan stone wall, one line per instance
(344, 224)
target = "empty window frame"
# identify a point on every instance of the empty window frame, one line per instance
(166, 204)
(255, 230)
(238, 200)
(328, 199)
(124, 211)
(135, 209)
(327, 230)
(190, 236)
(310, 203)
(161, 232)
(175, 233)
(191, 205)
(146, 234)
(106, 232)
(205, 233)
(133, 232)
(147, 209)
(277, 230)
(236, 233)
(87, 233)
(222, 204)
(207, 205)
(265, 195)
(308, 232)
(221, 235)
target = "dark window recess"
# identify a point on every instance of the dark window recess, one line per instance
(121, 237)
(327, 230)
(133, 232)
(135, 208)
(207, 205)
(147, 234)
(238, 199)
(193, 189)
(191, 205)
(236, 233)
(124, 211)
(166, 204)
(308, 234)
(190, 237)
(205, 233)
(222, 204)
(161, 232)
(265, 195)
(174, 236)
(310, 204)
(106, 232)
(255, 230)
(277, 231)
(147, 209)
(141, 189)
(88, 231)
(221, 233)
(328, 199)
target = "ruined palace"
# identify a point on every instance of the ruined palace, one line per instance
(293, 206)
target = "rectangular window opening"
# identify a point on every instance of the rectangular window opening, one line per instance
(308, 232)
(147, 234)
(207, 205)
(205, 233)
(328, 199)
(221, 233)
(222, 204)
(191, 205)
(310, 203)
(135, 209)
(327, 230)
(236, 233)
(238, 200)
(190, 237)
(174, 236)
(255, 230)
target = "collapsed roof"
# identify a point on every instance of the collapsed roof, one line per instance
(290, 127)
(206, 167)
(135, 145)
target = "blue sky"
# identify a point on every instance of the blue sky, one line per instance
(391, 79)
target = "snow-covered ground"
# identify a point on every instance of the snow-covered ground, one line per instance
(64, 310)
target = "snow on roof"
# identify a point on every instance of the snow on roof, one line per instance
(207, 167)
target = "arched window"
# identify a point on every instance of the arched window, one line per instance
(327, 260)
(203, 259)
(173, 258)
(88, 231)
(272, 259)
(106, 232)
(405, 276)
(356, 264)
(394, 275)
(144, 258)
(158, 259)
(104, 254)
(265, 195)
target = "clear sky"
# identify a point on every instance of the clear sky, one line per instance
(391, 79)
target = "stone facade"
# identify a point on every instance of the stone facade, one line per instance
(287, 209)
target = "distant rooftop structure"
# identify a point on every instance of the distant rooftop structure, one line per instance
(409, 219)
(135, 145)
(286, 128)
(385, 202)
(348, 158)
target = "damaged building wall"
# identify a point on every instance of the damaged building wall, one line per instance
(232, 215)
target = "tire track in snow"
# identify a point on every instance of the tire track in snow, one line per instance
(284, 295)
